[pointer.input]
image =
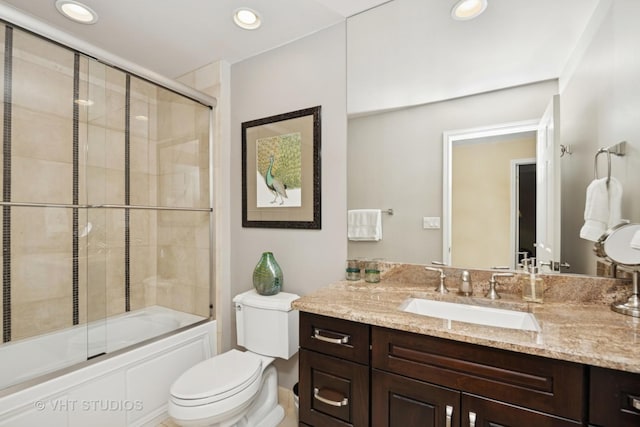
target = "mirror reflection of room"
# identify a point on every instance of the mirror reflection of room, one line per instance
(399, 111)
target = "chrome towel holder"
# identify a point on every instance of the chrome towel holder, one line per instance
(616, 149)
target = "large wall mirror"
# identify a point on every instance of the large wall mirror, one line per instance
(414, 75)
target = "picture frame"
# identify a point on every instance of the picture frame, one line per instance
(281, 171)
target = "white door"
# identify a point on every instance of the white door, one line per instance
(548, 187)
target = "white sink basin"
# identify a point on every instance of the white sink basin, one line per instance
(487, 316)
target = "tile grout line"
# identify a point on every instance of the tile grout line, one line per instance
(127, 194)
(6, 187)
(75, 190)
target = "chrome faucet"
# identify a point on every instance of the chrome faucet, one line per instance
(493, 294)
(442, 288)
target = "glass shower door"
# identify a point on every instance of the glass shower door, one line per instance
(105, 209)
(43, 314)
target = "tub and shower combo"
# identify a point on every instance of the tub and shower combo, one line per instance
(107, 237)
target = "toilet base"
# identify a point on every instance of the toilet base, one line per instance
(272, 419)
(263, 411)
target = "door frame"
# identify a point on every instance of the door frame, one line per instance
(515, 206)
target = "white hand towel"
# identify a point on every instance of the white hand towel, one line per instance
(615, 203)
(602, 208)
(364, 224)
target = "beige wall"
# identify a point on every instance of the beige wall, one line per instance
(481, 200)
(302, 74)
(214, 80)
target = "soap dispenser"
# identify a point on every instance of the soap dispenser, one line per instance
(533, 286)
(466, 288)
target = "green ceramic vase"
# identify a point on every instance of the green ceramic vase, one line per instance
(267, 276)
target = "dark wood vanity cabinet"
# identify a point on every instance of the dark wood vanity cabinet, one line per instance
(451, 383)
(400, 401)
(353, 374)
(334, 372)
(614, 398)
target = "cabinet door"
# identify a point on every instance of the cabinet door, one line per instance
(480, 412)
(333, 392)
(398, 401)
(614, 398)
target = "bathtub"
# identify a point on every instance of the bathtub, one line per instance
(128, 386)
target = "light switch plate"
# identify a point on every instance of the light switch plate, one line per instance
(431, 222)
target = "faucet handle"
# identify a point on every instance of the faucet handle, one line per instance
(493, 294)
(435, 269)
(442, 288)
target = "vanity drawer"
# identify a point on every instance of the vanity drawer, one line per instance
(614, 399)
(333, 392)
(548, 385)
(335, 337)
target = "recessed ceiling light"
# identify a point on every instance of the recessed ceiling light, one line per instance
(76, 11)
(246, 18)
(464, 10)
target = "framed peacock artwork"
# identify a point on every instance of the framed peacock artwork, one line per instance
(281, 171)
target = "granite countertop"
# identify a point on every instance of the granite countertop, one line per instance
(576, 321)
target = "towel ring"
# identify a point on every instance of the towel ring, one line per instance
(617, 149)
(595, 164)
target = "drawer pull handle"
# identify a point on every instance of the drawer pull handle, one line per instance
(317, 334)
(449, 413)
(472, 419)
(635, 402)
(316, 395)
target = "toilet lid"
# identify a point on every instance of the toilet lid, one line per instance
(218, 377)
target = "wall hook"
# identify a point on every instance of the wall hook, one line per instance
(565, 149)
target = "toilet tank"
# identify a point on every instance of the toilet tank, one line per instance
(267, 325)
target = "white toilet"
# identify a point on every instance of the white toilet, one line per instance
(240, 388)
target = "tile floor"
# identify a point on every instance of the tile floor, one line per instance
(286, 400)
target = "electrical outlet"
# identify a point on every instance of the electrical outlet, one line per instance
(431, 222)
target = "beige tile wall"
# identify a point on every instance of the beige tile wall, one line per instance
(41, 171)
(2, 51)
(169, 251)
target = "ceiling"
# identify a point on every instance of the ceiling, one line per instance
(172, 37)
(413, 53)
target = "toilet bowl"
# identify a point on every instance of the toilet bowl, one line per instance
(240, 388)
(222, 390)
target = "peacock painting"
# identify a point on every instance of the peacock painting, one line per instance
(279, 171)
(277, 187)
